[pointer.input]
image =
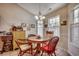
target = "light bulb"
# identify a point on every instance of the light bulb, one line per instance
(43, 17)
(37, 17)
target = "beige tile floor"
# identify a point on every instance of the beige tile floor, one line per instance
(59, 52)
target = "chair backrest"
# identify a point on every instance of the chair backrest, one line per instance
(53, 42)
(20, 41)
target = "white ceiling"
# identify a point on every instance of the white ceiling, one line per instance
(45, 8)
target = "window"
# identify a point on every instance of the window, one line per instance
(74, 28)
(76, 15)
(54, 25)
(40, 28)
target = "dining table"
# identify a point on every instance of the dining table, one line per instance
(38, 43)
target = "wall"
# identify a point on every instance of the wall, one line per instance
(14, 14)
(73, 49)
(63, 13)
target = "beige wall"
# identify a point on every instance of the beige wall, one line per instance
(63, 13)
(14, 14)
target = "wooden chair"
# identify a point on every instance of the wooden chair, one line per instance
(24, 46)
(50, 47)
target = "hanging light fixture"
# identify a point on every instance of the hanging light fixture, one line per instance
(39, 16)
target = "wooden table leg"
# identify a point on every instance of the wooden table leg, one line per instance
(37, 49)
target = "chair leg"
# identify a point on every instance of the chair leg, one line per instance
(21, 53)
(54, 53)
(42, 53)
(48, 54)
(51, 54)
(1, 52)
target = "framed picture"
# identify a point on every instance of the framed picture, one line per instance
(64, 22)
(23, 25)
(32, 25)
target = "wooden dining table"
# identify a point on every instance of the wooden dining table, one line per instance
(38, 43)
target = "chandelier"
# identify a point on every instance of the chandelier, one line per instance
(39, 16)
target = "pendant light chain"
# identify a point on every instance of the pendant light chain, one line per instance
(40, 16)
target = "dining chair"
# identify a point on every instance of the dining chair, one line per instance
(24, 46)
(50, 47)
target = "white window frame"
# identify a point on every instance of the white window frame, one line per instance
(77, 17)
(40, 27)
(55, 26)
(74, 28)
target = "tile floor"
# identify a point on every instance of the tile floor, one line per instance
(59, 52)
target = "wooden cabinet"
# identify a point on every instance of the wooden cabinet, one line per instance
(7, 40)
(1, 45)
(17, 35)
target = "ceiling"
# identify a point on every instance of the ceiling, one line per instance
(45, 8)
